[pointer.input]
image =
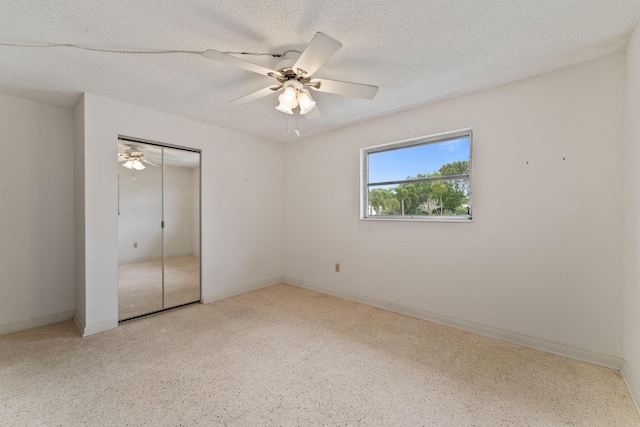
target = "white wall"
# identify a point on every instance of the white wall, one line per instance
(36, 213)
(632, 219)
(542, 258)
(242, 203)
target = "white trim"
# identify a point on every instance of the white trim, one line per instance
(240, 290)
(96, 328)
(538, 344)
(426, 218)
(79, 323)
(631, 383)
(32, 323)
(419, 140)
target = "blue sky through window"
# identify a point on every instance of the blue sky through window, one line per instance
(398, 164)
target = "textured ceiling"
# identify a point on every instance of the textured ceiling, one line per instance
(417, 52)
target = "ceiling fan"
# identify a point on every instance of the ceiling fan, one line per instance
(133, 158)
(295, 76)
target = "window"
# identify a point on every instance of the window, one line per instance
(426, 178)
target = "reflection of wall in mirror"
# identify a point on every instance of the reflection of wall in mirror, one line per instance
(195, 176)
(140, 214)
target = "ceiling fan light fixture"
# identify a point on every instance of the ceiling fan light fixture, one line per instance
(284, 106)
(137, 165)
(289, 97)
(133, 164)
(305, 101)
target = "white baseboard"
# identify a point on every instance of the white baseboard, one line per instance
(79, 323)
(100, 327)
(32, 323)
(632, 384)
(538, 344)
(240, 290)
(94, 329)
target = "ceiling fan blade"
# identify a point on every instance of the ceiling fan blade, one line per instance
(256, 95)
(356, 90)
(241, 63)
(318, 51)
(122, 159)
(150, 163)
(313, 114)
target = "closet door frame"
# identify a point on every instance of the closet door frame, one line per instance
(162, 146)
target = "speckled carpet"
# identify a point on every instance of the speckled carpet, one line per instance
(288, 356)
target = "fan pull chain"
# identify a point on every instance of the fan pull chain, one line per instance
(296, 130)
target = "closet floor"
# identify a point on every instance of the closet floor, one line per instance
(140, 285)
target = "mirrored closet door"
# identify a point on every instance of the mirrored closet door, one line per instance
(158, 228)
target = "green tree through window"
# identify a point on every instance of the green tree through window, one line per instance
(436, 182)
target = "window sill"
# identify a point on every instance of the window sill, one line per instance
(418, 218)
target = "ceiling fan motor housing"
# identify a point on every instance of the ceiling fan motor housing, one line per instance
(289, 59)
(294, 83)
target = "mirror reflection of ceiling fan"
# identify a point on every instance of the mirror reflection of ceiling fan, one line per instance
(294, 77)
(133, 156)
(134, 159)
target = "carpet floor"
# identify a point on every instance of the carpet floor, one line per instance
(287, 356)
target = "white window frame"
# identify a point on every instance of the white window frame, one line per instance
(364, 177)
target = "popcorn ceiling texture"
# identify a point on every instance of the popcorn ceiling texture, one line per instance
(417, 52)
(288, 356)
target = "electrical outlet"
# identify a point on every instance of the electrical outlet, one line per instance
(135, 245)
(337, 267)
